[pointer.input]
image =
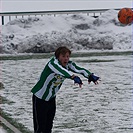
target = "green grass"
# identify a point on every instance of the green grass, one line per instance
(25, 57)
(74, 55)
(95, 60)
(12, 121)
(4, 100)
(8, 130)
(89, 54)
(1, 86)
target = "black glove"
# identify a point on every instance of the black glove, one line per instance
(93, 78)
(77, 80)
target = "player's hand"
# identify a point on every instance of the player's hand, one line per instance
(93, 78)
(77, 80)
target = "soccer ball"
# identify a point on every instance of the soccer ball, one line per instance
(125, 15)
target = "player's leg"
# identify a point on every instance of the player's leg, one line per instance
(50, 115)
(40, 109)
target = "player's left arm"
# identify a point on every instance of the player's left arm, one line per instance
(77, 69)
(86, 73)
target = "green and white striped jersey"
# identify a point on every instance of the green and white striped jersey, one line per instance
(53, 76)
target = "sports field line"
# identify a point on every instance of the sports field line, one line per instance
(6, 123)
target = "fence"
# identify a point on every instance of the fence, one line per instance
(13, 15)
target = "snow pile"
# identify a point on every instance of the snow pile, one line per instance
(78, 31)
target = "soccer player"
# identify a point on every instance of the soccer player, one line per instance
(44, 92)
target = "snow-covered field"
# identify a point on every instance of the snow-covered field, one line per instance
(2, 130)
(102, 108)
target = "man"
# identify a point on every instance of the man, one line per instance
(44, 92)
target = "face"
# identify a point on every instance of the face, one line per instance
(64, 58)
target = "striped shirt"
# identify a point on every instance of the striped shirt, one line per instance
(53, 76)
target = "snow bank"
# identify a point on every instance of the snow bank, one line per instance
(79, 31)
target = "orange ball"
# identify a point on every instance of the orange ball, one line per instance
(132, 15)
(125, 15)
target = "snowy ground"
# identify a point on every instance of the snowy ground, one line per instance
(104, 108)
(2, 130)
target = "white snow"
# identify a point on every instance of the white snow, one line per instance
(2, 130)
(106, 107)
(79, 31)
